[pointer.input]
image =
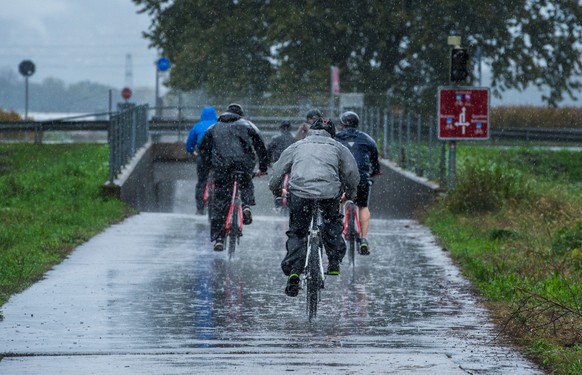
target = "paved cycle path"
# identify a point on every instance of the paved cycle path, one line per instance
(149, 296)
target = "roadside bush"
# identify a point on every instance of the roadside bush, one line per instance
(484, 186)
(10, 116)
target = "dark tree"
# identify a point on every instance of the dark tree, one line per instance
(390, 50)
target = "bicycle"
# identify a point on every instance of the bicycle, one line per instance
(234, 218)
(352, 229)
(208, 196)
(313, 276)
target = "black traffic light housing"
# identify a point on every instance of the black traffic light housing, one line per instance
(459, 60)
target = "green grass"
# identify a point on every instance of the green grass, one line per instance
(514, 225)
(50, 202)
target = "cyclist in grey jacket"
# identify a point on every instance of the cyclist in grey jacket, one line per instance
(320, 169)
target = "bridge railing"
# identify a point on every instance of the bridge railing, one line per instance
(128, 132)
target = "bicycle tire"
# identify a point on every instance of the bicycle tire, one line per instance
(314, 279)
(233, 235)
(351, 230)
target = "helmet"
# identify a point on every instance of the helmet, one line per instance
(323, 123)
(313, 113)
(235, 108)
(285, 125)
(350, 119)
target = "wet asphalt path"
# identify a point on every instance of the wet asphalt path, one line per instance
(149, 296)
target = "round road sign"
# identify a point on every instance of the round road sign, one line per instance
(26, 68)
(163, 64)
(126, 93)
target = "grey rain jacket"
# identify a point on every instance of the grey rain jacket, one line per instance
(319, 168)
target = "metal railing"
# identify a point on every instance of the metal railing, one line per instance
(128, 132)
(408, 140)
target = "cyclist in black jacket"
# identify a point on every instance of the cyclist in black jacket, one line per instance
(365, 151)
(232, 144)
(280, 142)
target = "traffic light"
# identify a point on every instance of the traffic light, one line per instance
(459, 60)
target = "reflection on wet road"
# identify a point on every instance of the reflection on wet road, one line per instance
(149, 296)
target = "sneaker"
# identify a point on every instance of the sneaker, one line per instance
(333, 268)
(364, 248)
(292, 288)
(219, 245)
(247, 216)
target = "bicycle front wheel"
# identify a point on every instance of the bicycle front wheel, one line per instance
(351, 231)
(234, 231)
(314, 280)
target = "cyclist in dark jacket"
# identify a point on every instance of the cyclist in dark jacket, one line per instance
(365, 151)
(207, 118)
(319, 169)
(280, 142)
(232, 145)
(310, 117)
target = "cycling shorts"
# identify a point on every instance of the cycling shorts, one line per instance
(363, 193)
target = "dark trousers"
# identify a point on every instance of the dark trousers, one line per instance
(202, 173)
(223, 184)
(300, 213)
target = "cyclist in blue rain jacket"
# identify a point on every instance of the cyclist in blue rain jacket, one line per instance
(365, 151)
(232, 145)
(207, 119)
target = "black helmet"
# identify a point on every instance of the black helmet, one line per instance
(285, 125)
(313, 113)
(235, 108)
(350, 119)
(323, 123)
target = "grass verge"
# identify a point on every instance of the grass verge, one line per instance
(514, 226)
(50, 202)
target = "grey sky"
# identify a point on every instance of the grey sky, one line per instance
(77, 40)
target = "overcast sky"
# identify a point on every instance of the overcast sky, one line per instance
(78, 40)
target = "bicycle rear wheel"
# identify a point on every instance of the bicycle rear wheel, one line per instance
(314, 279)
(351, 234)
(233, 234)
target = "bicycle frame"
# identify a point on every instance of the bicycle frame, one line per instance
(234, 219)
(208, 196)
(313, 277)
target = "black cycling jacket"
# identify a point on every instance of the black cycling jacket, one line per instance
(234, 143)
(364, 149)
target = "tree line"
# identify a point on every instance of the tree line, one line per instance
(394, 51)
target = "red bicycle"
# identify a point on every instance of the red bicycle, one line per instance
(208, 196)
(234, 217)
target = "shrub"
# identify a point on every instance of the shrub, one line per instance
(485, 186)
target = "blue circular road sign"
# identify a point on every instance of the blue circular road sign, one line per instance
(163, 64)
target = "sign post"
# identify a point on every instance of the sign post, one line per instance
(26, 68)
(162, 65)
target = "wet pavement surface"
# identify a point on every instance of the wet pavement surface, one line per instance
(149, 296)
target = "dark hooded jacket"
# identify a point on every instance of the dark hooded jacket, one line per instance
(364, 149)
(234, 143)
(279, 144)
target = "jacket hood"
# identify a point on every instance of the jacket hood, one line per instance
(208, 114)
(229, 117)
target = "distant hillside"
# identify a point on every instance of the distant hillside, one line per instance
(53, 95)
